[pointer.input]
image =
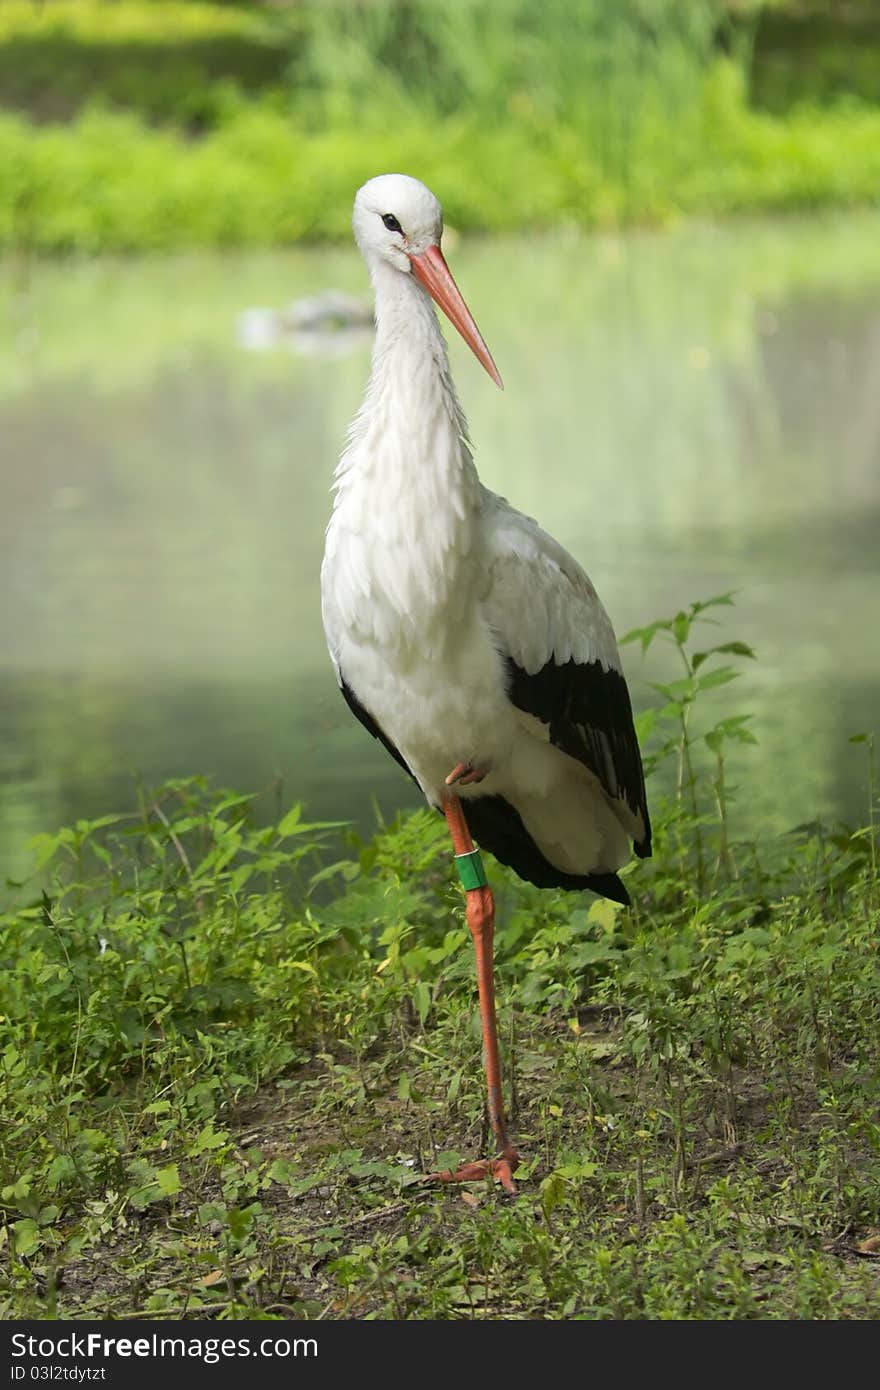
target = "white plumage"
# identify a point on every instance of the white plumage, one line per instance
(462, 633)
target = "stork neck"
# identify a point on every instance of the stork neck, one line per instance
(409, 354)
(403, 307)
(407, 491)
(410, 435)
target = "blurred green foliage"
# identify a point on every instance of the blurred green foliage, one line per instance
(107, 183)
(197, 124)
(167, 61)
(816, 51)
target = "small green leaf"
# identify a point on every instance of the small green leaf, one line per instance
(736, 649)
(168, 1180)
(646, 635)
(158, 1107)
(722, 676)
(27, 1236)
(645, 723)
(580, 1168)
(240, 1220)
(720, 601)
(207, 1140)
(283, 1171)
(290, 824)
(421, 1000)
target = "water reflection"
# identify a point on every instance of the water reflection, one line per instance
(690, 412)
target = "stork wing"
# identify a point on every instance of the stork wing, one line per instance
(370, 724)
(332, 627)
(561, 655)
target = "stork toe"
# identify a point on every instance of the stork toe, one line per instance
(501, 1168)
(465, 774)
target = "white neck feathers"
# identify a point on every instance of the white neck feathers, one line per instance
(406, 486)
(410, 403)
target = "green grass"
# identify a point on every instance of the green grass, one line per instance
(229, 1053)
(583, 114)
(107, 183)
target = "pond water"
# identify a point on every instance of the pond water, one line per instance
(689, 412)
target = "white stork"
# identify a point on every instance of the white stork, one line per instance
(463, 636)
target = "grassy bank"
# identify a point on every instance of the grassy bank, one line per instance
(106, 183)
(261, 122)
(230, 1052)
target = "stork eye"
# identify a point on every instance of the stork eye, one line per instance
(392, 223)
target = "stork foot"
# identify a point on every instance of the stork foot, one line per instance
(501, 1168)
(465, 774)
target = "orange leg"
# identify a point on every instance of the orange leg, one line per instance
(480, 911)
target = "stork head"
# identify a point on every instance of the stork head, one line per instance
(398, 221)
(396, 217)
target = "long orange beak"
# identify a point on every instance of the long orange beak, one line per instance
(431, 269)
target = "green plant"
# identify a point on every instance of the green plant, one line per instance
(230, 1055)
(701, 674)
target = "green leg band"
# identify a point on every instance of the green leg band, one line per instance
(470, 870)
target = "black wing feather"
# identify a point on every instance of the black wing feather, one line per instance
(497, 826)
(370, 724)
(589, 715)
